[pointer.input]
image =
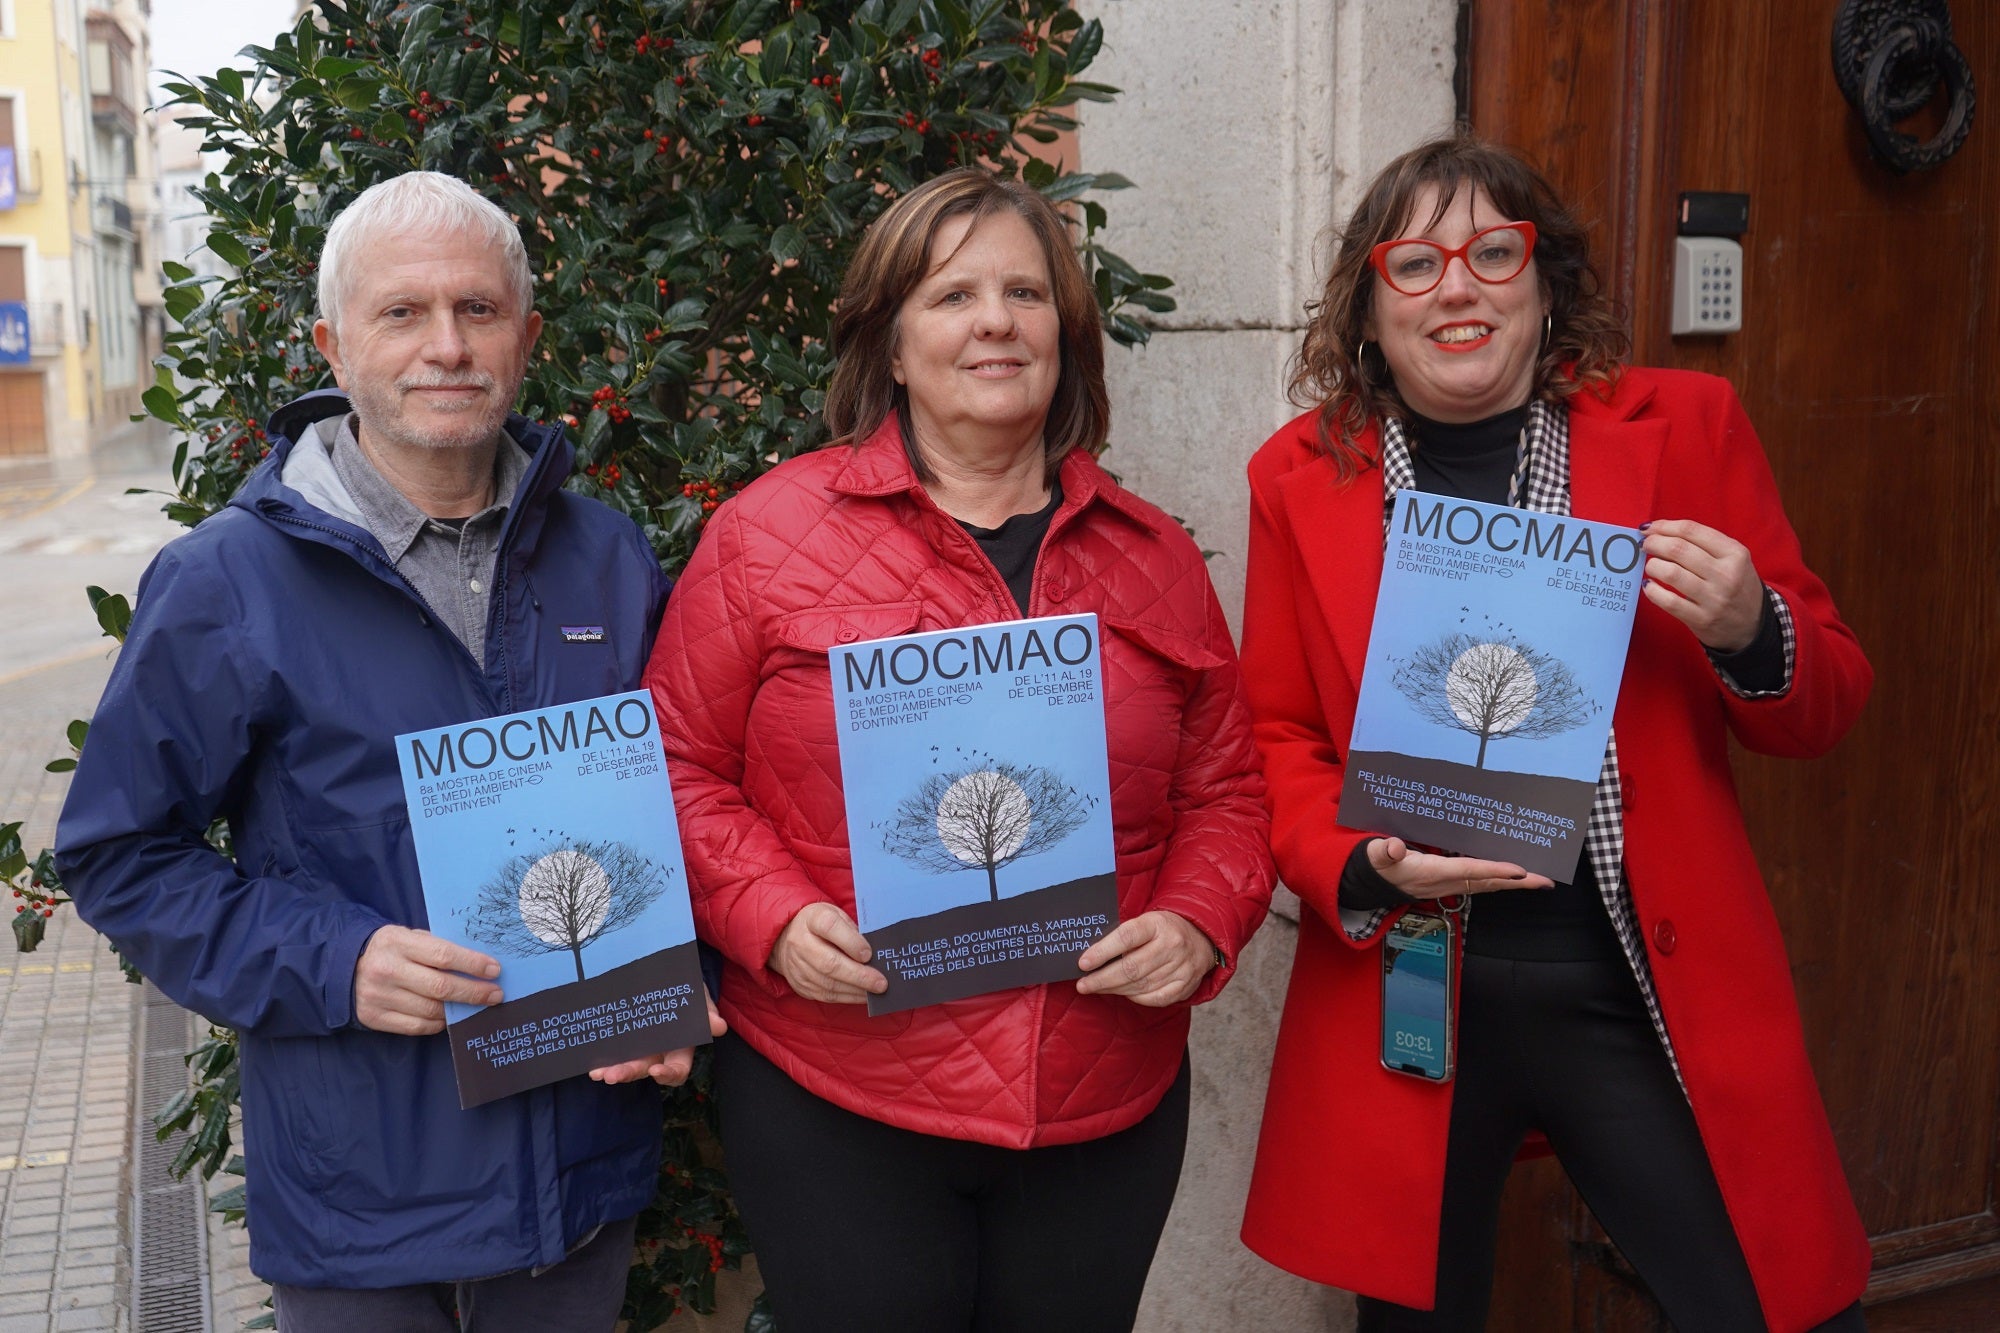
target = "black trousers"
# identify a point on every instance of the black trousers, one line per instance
(862, 1226)
(582, 1294)
(1567, 1048)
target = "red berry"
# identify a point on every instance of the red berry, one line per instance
(923, 127)
(590, 471)
(647, 134)
(756, 120)
(354, 133)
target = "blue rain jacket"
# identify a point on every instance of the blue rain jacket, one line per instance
(273, 657)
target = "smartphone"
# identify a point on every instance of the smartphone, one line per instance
(1418, 996)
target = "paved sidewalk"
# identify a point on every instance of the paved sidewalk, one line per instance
(65, 1060)
(67, 1063)
(66, 1044)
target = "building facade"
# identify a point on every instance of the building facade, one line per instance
(1249, 130)
(80, 313)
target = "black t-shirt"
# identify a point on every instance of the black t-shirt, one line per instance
(1015, 544)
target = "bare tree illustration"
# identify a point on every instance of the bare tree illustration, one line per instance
(563, 898)
(986, 815)
(1493, 688)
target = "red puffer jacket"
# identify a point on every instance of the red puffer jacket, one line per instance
(845, 544)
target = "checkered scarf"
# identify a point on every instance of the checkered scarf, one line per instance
(1541, 482)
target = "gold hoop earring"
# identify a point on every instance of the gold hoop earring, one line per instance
(1361, 359)
(1548, 328)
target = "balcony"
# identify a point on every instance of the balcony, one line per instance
(111, 74)
(113, 112)
(27, 176)
(46, 330)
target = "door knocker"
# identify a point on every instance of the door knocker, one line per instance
(1889, 57)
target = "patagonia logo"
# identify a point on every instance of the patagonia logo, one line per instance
(583, 633)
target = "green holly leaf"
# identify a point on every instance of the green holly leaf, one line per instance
(29, 928)
(113, 612)
(229, 250)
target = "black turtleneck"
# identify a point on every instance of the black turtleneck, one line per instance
(1471, 460)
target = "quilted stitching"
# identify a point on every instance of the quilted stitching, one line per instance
(739, 674)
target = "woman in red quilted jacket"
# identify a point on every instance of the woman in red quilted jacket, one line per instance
(1005, 1161)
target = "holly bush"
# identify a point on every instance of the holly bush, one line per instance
(690, 178)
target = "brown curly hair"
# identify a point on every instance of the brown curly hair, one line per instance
(892, 260)
(1350, 382)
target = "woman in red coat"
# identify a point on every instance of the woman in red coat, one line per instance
(1642, 1016)
(1004, 1161)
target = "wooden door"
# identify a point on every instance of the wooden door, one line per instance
(1867, 361)
(22, 431)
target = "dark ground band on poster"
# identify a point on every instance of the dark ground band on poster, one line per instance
(650, 1005)
(1481, 812)
(1020, 941)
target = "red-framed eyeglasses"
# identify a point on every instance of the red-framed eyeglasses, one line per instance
(1413, 266)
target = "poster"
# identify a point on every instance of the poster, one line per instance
(1493, 667)
(978, 804)
(547, 840)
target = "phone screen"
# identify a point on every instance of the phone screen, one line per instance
(1416, 997)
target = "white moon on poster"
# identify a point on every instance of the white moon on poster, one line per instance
(983, 818)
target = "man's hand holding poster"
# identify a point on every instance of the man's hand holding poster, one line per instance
(547, 840)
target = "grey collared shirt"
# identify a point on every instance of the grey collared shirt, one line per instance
(449, 564)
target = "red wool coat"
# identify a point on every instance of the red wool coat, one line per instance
(845, 544)
(1350, 1163)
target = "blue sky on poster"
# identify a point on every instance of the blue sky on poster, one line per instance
(460, 850)
(880, 766)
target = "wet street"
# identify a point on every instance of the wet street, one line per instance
(78, 1220)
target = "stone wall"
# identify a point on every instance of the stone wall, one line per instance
(1249, 126)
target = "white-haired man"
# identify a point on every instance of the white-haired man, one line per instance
(406, 558)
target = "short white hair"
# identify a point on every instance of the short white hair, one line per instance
(417, 202)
